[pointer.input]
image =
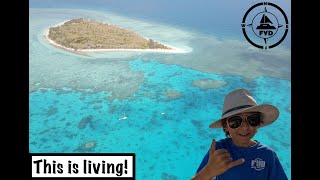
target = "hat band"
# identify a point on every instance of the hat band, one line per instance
(236, 108)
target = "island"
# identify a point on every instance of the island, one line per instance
(91, 35)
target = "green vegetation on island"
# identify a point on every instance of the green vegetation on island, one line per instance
(90, 34)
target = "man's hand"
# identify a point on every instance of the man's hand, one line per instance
(219, 162)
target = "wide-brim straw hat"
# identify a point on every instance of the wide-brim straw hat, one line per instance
(241, 101)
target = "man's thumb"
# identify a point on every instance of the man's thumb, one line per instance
(213, 146)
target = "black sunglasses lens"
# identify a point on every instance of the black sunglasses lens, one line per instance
(254, 119)
(234, 122)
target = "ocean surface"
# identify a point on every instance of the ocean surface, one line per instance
(156, 105)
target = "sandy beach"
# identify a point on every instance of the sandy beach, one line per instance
(83, 51)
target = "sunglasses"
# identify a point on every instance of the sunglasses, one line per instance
(253, 119)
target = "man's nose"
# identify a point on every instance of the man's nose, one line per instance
(245, 123)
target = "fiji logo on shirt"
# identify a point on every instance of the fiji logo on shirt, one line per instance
(258, 164)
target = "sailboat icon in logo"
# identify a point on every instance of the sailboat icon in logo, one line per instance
(265, 23)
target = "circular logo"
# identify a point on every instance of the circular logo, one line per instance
(265, 25)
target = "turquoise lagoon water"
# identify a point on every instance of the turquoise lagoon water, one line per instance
(76, 98)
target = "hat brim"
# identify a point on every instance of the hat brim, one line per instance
(270, 114)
